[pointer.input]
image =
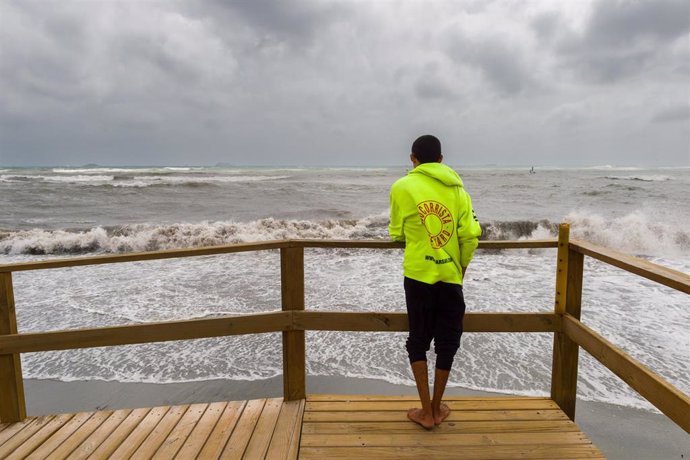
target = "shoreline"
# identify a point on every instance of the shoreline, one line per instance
(620, 432)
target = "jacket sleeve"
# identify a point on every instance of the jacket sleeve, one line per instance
(469, 231)
(395, 228)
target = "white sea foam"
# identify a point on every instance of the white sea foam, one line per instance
(137, 180)
(78, 178)
(97, 170)
(81, 178)
(635, 233)
(615, 168)
(642, 177)
(101, 170)
(148, 181)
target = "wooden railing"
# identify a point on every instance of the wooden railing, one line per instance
(569, 333)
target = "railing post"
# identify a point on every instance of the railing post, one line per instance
(12, 404)
(292, 298)
(568, 300)
(562, 267)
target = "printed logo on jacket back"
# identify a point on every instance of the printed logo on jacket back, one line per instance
(438, 222)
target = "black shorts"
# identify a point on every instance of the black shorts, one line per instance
(435, 311)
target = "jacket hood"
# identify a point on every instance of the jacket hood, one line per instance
(440, 172)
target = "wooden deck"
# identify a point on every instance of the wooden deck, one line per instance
(323, 426)
(346, 426)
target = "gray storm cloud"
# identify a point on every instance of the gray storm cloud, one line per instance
(343, 83)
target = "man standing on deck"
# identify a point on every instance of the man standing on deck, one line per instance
(432, 213)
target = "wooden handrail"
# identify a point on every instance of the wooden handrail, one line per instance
(382, 244)
(285, 321)
(141, 256)
(245, 247)
(662, 275)
(144, 333)
(397, 322)
(664, 396)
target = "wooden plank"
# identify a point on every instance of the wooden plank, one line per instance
(294, 365)
(383, 244)
(24, 442)
(145, 333)
(293, 450)
(260, 323)
(356, 397)
(500, 404)
(17, 426)
(29, 423)
(511, 322)
(12, 403)
(397, 322)
(449, 427)
(453, 452)
(562, 268)
(197, 438)
(667, 276)
(117, 436)
(78, 436)
(523, 244)
(89, 445)
(283, 440)
(347, 244)
(664, 396)
(177, 437)
(455, 416)
(245, 247)
(565, 351)
(263, 431)
(60, 436)
(242, 433)
(292, 299)
(431, 438)
(221, 433)
(160, 432)
(142, 256)
(349, 321)
(130, 444)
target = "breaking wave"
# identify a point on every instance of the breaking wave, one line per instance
(635, 233)
(150, 237)
(123, 180)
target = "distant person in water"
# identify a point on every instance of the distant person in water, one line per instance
(432, 214)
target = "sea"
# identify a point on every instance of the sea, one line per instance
(63, 212)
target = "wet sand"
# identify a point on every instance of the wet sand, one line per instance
(620, 432)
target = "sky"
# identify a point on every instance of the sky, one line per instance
(307, 82)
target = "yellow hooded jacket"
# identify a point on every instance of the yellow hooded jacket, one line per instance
(432, 213)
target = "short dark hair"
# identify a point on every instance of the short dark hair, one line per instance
(427, 149)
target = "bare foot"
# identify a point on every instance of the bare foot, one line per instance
(418, 416)
(441, 414)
